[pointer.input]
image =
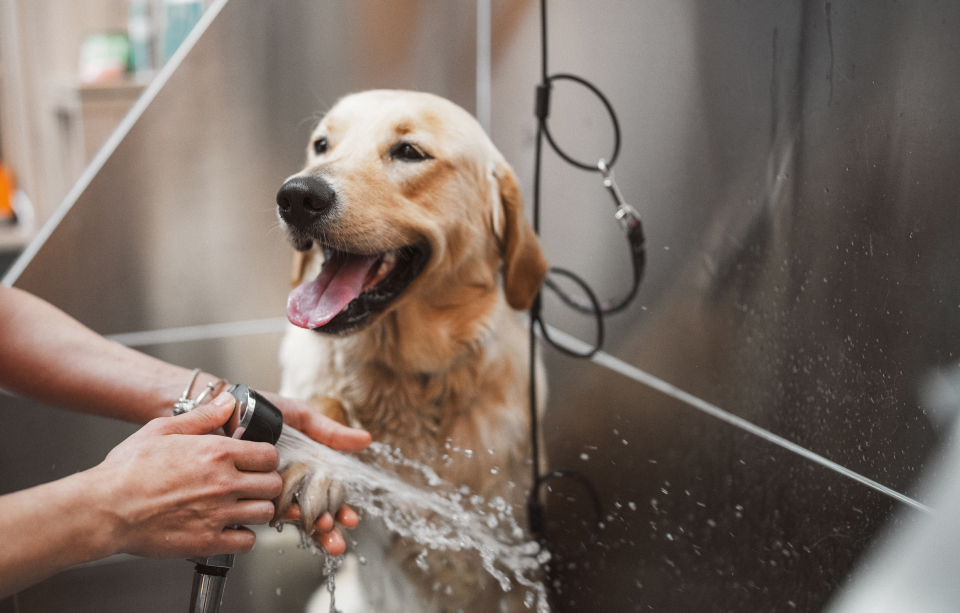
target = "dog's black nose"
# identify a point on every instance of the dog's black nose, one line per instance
(303, 199)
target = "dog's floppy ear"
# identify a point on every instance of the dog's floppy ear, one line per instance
(524, 266)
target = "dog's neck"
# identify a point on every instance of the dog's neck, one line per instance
(417, 365)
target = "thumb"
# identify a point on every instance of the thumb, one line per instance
(205, 418)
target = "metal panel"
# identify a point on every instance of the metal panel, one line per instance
(793, 165)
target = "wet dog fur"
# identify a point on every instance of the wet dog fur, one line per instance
(445, 363)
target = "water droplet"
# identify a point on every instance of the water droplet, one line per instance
(278, 591)
(584, 457)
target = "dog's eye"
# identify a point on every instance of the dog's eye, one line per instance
(320, 146)
(409, 152)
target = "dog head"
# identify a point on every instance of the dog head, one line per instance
(404, 199)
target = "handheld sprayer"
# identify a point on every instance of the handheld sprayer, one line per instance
(260, 422)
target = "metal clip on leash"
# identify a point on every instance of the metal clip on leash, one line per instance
(260, 421)
(626, 214)
(630, 222)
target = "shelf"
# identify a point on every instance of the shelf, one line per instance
(125, 90)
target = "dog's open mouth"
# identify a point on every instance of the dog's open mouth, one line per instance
(352, 287)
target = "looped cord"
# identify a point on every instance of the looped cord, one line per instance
(630, 222)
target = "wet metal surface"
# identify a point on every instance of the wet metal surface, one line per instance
(818, 291)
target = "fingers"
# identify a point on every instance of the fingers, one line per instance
(202, 420)
(326, 535)
(333, 542)
(234, 540)
(258, 486)
(249, 512)
(318, 427)
(348, 517)
(334, 434)
(324, 524)
(254, 457)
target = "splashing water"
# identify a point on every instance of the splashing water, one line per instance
(440, 517)
(330, 567)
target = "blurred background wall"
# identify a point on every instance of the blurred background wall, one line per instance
(793, 165)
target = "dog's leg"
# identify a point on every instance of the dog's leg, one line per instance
(316, 493)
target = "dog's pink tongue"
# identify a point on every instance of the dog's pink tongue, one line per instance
(316, 302)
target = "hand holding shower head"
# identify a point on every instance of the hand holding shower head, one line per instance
(260, 421)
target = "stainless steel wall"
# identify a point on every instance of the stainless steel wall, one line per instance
(801, 212)
(792, 162)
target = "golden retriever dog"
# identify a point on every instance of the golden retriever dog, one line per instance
(413, 253)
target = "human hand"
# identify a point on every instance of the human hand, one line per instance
(325, 534)
(171, 492)
(302, 416)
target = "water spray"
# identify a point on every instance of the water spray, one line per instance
(261, 422)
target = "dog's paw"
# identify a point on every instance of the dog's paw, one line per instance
(315, 492)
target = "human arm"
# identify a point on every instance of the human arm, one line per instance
(47, 355)
(163, 492)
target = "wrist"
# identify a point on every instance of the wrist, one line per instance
(74, 510)
(101, 527)
(72, 530)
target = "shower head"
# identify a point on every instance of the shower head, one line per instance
(257, 420)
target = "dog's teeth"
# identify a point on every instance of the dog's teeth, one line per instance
(387, 261)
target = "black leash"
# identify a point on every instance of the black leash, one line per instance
(630, 222)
